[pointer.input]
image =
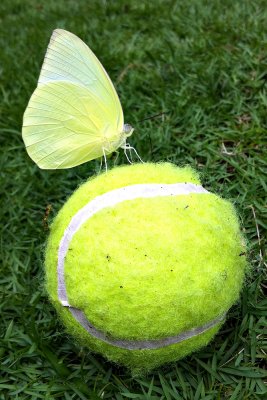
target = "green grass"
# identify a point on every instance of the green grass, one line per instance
(202, 62)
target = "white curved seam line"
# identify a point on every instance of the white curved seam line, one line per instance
(99, 203)
(149, 344)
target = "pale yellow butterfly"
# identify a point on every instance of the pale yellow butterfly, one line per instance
(74, 114)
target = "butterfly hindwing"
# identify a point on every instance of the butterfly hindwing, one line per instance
(58, 131)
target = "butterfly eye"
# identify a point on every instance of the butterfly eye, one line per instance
(127, 130)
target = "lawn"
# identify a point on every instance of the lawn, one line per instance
(202, 65)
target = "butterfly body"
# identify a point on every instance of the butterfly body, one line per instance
(74, 114)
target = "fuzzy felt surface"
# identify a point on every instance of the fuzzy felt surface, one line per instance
(148, 268)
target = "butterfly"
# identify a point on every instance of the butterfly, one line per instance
(74, 115)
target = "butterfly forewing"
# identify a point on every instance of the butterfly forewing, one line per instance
(74, 112)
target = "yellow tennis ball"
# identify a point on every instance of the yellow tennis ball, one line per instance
(143, 263)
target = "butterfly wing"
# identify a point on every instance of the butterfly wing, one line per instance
(74, 112)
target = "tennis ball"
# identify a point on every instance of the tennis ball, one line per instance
(142, 264)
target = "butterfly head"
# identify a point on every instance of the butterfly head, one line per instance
(127, 130)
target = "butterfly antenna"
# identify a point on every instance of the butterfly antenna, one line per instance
(154, 116)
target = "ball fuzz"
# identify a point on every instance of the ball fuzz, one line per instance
(143, 263)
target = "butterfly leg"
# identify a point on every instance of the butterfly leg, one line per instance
(117, 156)
(129, 147)
(105, 158)
(126, 155)
(137, 155)
(130, 151)
(101, 162)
